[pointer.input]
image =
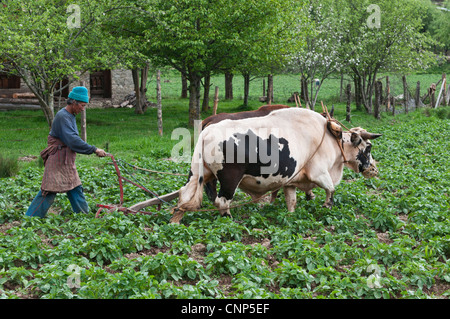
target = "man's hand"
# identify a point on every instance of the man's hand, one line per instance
(100, 152)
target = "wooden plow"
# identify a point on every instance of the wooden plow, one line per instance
(136, 208)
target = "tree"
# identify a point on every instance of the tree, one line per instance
(321, 55)
(270, 45)
(439, 27)
(382, 35)
(119, 23)
(46, 43)
(198, 37)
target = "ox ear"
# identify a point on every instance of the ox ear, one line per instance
(369, 136)
(355, 138)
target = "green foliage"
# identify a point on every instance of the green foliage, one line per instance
(8, 166)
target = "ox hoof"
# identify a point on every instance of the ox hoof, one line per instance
(177, 215)
(310, 196)
(328, 205)
(227, 214)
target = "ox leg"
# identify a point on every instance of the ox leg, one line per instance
(273, 196)
(177, 215)
(223, 205)
(211, 190)
(290, 195)
(309, 195)
(324, 181)
(228, 184)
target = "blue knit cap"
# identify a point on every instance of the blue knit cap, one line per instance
(79, 93)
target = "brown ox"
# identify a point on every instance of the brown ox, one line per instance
(288, 148)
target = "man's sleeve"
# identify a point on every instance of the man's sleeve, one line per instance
(70, 137)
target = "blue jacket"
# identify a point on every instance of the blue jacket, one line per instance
(65, 128)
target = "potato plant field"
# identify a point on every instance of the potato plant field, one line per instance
(386, 237)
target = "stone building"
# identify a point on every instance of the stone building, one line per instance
(106, 88)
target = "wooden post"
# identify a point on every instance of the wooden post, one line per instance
(444, 93)
(216, 100)
(158, 102)
(388, 94)
(438, 101)
(432, 91)
(417, 97)
(83, 133)
(405, 94)
(348, 92)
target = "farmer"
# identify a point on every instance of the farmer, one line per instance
(60, 173)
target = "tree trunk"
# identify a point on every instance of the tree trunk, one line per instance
(304, 90)
(50, 108)
(206, 87)
(228, 86)
(348, 92)
(367, 91)
(246, 87)
(83, 130)
(158, 102)
(143, 88)
(137, 91)
(140, 76)
(269, 89)
(405, 94)
(378, 94)
(194, 99)
(184, 87)
(216, 100)
(417, 97)
(388, 94)
(264, 87)
(48, 113)
(358, 95)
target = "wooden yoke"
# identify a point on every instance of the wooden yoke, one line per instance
(335, 129)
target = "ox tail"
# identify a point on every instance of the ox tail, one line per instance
(191, 194)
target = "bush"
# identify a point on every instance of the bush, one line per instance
(441, 112)
(8, 166)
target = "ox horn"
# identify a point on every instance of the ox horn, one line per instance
(369, 136)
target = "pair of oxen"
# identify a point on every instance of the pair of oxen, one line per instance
(274, 147)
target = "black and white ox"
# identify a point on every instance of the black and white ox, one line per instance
(289, 148)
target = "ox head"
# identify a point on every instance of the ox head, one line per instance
(358, 151)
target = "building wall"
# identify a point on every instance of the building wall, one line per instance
(121, 85)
